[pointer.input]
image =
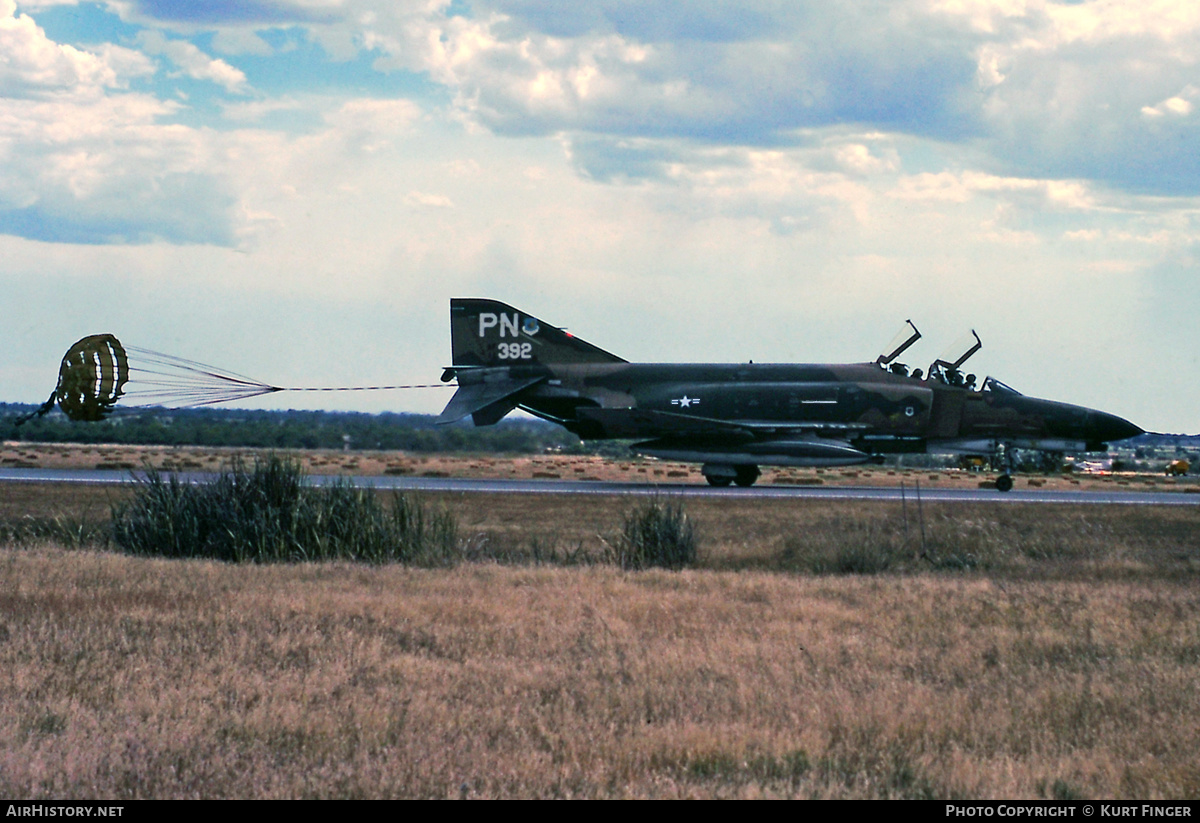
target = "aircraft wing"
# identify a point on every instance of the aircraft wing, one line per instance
(662, 424)
(709, 440)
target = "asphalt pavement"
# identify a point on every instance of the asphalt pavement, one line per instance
(514, 486)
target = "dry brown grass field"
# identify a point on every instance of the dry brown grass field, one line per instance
(814, 651)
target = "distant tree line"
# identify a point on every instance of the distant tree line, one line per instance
(288, 430)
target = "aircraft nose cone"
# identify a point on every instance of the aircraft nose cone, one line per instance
(1111, 427)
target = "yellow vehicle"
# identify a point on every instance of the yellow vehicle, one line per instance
(1178, 468)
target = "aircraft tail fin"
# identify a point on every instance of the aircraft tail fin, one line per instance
(491, 333)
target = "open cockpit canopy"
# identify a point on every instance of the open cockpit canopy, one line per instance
(904, 338)
(946, 370)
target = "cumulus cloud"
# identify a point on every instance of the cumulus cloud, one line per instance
(1087, 90)
(105, 172)
(1091, 91)
(422, 199)
(1180, 105)
(963, 186)
(86, 161)
(193, 62)
(369, 126)
(33, 66)
(658, 70)
(241, 41)
(784, 191)
(736, 102)
(1095, 90)
(1038, 88)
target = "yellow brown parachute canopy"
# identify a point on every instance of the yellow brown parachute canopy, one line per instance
(92, 377)
(97, 371)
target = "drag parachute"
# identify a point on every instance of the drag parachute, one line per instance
(92, 377)
(98, 371)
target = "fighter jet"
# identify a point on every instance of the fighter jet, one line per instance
(733, 418)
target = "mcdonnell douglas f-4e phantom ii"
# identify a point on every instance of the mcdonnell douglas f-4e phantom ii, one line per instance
(733, 418)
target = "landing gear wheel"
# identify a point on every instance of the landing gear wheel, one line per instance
(746, 475)
(718, 480)
(1003, 458)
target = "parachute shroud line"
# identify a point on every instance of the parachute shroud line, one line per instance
(97, 371)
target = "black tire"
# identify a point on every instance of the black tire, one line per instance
(718, 480)
(746, 475)
(1004, 483)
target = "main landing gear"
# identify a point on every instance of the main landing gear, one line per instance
(720, 474)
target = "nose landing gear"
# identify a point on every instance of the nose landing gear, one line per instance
(1002, 456)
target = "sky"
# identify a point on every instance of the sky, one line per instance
(294, 189)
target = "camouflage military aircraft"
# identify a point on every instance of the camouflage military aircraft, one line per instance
(733, 418)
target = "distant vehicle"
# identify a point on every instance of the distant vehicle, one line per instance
(733, 418)
(1094, 466)
(1178, 468)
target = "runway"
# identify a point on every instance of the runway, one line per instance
(928, 493)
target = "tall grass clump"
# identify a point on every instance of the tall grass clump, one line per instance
(74, 532)
(656, 534)
(266, 513)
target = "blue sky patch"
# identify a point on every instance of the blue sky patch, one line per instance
(84, 24)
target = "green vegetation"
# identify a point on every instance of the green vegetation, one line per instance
(656, 534)
(69, 531)
(821, 537)
(287, 430)
(267, 514)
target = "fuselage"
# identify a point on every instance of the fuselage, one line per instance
(735, 417)
(875, 410)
